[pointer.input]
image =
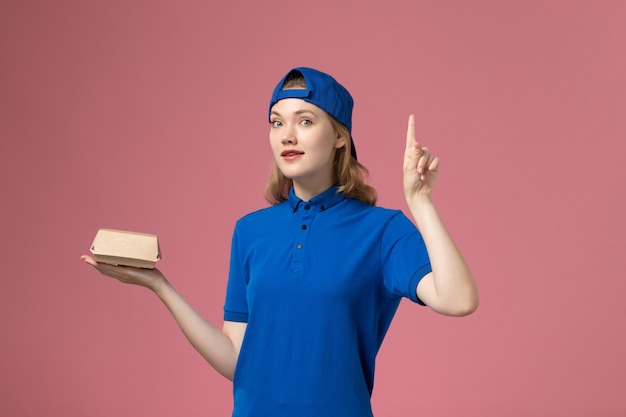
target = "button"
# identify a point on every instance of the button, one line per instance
(307, 207)
(322, 208)
(299, 246)
(304, 227)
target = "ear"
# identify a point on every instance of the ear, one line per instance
(341, 140)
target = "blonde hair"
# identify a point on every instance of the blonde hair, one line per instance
(348, 173)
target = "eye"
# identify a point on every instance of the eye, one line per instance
(275, 123)
(306, 122)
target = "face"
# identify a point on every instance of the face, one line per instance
(304, 143)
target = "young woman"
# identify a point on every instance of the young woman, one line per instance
(316, 278)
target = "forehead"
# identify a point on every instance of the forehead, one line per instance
(289, 106)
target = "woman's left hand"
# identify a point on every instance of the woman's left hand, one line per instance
(420, 167)
(450, 288)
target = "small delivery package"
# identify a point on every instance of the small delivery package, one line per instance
(119, 247)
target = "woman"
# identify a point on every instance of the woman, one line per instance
(316, 278)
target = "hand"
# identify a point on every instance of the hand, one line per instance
(149, 278)
(420, 167)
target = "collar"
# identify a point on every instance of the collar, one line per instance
(320, 202)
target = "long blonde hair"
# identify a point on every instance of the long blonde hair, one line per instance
(348, 173)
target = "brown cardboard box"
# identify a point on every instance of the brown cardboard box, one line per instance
(118, 247)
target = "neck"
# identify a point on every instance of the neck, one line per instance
(306, 191)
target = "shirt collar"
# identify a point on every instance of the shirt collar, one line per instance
(320, 202)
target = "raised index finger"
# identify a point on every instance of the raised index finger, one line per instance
(410, 133)
(413, 149)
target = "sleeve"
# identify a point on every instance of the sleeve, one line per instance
(404, 258)
(236, 305)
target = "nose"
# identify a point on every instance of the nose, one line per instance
(289, 135)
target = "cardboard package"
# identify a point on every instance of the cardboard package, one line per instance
(119, 247)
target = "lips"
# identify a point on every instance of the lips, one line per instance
(288, 153)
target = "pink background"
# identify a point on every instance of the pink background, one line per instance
(151, 116)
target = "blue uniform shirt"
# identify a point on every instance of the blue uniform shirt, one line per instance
(318, 283)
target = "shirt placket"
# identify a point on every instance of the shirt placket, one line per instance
(307, 213)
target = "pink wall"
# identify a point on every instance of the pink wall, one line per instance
(151, 116)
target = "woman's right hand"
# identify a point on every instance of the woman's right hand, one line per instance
(149, 278)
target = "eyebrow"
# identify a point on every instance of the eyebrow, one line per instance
(297, 112)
